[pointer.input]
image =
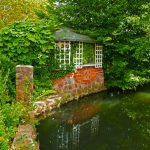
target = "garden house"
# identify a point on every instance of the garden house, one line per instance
(74, 48)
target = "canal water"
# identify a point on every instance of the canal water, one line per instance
(103, 121)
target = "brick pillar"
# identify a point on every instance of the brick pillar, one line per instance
(24, 82)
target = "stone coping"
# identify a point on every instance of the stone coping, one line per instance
(27, 66)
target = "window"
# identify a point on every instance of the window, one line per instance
(78, 55)
(88, 54)
(64, 48)
(98, 56)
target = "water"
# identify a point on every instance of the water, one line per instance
(104, 121)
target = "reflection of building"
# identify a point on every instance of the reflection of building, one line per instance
(70, 137)
(62, 138)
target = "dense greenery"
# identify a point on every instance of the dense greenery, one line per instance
(7, 80)
(28, 42)
(32, 43)
(122, 27)
(10, 118)
(23, 43)
(11, 112)
(17, 10)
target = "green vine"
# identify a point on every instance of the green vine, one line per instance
(28, 42)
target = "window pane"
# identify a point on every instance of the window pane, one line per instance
(88, 54)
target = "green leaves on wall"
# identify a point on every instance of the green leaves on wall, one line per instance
(28, 42)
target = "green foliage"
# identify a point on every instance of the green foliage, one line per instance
(44, 76)
(3, 135)
(88, 51)
(122, 27)
(10, 118)
(50, 11)
(7, 80)
(11, 113)
(28, 42)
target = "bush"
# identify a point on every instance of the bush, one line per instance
(10, 118)
(28, 43)
(44, 76)
(7, 80)
(10, 112)
(3, 135)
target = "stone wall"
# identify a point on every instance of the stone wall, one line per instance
(80, 83)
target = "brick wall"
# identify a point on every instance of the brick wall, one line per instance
(80, 83)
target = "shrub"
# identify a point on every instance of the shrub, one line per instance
(11, 115)
(28, 42)
(3, 135)
(7, 80)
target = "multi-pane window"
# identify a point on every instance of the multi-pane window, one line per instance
(79, 54)
(64, 48)
(78, 57)
(88, 54)
(98, 56)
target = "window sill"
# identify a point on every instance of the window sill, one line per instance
(88, 65)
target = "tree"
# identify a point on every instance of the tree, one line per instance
(50, 11)
(122, 27)
(17, 10)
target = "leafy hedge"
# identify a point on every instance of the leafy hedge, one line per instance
(28, 42)
(10, 117)
(7, 80)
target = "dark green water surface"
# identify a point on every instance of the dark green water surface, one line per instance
(104, 121)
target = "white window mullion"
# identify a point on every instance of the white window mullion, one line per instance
(98, 56)
(78, 60)
(69, 52)
(64, 53)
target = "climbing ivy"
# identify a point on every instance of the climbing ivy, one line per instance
(28, 42)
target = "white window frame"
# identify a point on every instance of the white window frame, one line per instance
(78, 59)
(63, 47)
(98, 56)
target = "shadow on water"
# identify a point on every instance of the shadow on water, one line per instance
(103, 121)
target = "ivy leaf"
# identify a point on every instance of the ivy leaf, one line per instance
(27, 43)
(42, 41)
(31, 38)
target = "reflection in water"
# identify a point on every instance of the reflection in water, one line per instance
(75, 134)
(83, 113)
(99, 122)
(62, 138)
(71, 137)
(94, 125)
